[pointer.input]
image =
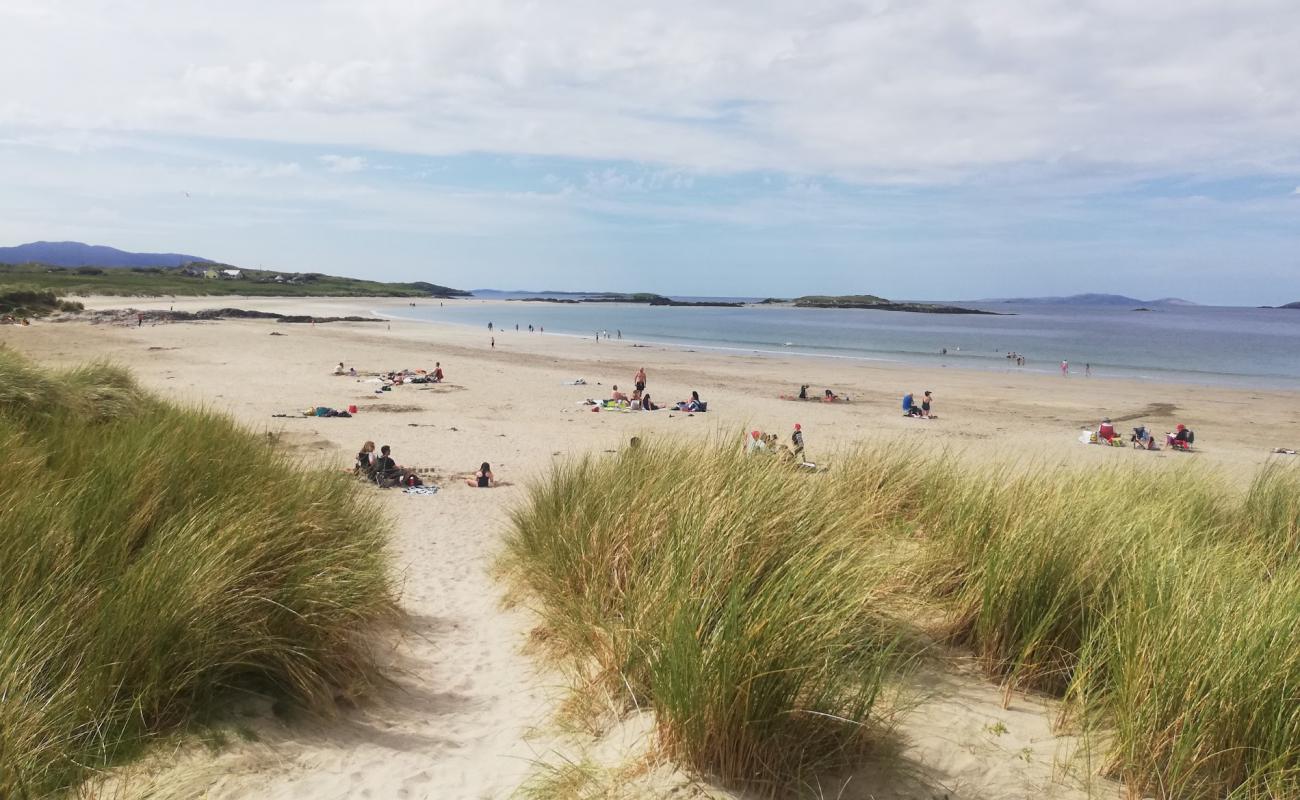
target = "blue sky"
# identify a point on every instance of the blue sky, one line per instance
(914, 150)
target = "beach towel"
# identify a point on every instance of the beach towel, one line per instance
(578, 382)
(426, 489)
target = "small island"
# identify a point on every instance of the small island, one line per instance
(640, 298)
(871, 302)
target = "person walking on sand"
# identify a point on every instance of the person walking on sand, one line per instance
(494, 342)
(489, 326)
(639, 380)
(796, 440)
(1087, 370)
(1065, 367)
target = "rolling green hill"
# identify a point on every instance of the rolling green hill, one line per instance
(201, 278)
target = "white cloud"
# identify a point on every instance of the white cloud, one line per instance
(876, 90)
(287, 169)
(337, 163)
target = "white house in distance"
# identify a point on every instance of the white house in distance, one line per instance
(232, 273)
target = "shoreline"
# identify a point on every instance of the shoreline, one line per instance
(908, 359)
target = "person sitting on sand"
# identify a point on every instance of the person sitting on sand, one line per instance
(647, 404)
(617, 396)
(437, 372)
(364, 465)
(910, 408)
(831, 397)
(386, 471)
(803, 392)
(1182, 439)
(693, 405)
(339, 370)
(483, 479)
(755, 443)
(352, 372)
(1106, 432)
(1143, 440)
(635, 399)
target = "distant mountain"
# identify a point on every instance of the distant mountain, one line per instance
(1296, 304)
(1105, 300)
(78, 254)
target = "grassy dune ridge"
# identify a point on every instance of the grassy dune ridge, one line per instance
(153, 559)
(756, 609)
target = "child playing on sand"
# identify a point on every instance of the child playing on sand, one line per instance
(437, 372)
(796, 441)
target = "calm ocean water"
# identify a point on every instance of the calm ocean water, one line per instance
(1211, 345)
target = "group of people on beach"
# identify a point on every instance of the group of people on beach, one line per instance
(828, 396)
(401, 376)
(1181, 438)
(639, 398)
(759, 443)
(924, 409)
(383, 471)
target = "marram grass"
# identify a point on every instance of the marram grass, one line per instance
(756, 609)
(154, 559)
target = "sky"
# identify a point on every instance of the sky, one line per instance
(916, 149)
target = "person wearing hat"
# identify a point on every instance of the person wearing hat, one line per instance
(1181, 438)
(796, 440)
(754, 443)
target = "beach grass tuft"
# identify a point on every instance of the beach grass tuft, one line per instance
(156, 559)
(725, 593)
(762, 612)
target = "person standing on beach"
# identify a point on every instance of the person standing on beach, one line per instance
(1065, 367)
(639, 380)
(1087, 370)
(489, 326)
(494, 342)
(925, 403)
(796, 439)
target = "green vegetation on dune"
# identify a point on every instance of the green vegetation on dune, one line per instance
(155, 559)
(752, 607)
(722, 592)
(24, 301)
(159, 281)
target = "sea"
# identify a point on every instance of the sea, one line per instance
(1248, 347)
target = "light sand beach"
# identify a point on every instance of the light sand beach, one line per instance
(471, 714)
